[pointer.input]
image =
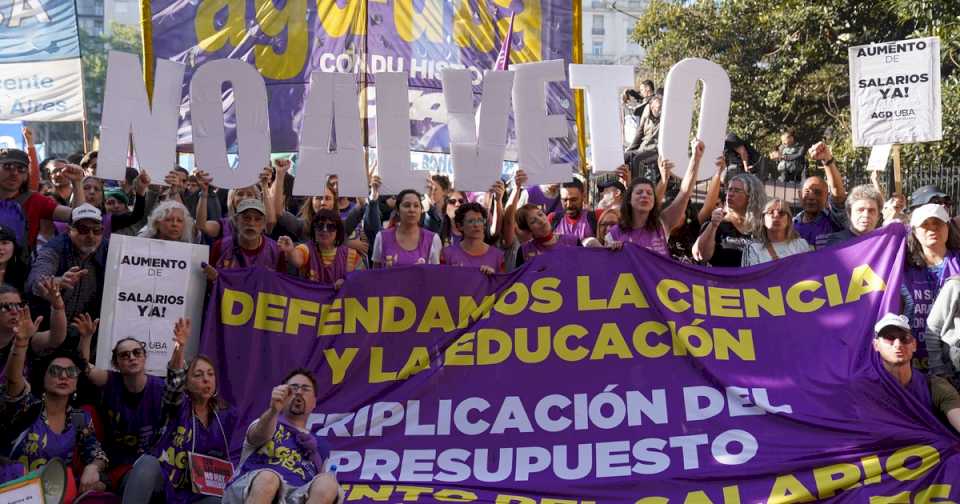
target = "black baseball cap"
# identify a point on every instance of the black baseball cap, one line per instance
(14, 156)
(7, 234)
(924, 194)
(611, 182)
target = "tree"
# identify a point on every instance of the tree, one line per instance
(94, 49)
(787, 60)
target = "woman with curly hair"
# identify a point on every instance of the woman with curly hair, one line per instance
(170, 221)
(731, 227)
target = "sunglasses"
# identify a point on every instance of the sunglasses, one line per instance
(325, 226)
(136, 353)
(85, 230)
(456, 201)
(472, 222)
(17, 167)
(55, 371)
(9, 307)
(904, 338)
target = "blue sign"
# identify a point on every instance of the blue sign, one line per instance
(11, 135)
(38, 30)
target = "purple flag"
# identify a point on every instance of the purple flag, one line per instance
(592, 375)
(503, 59)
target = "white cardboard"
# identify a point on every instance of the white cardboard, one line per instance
(534, 126)
(127, 113)
(677, 114)
(879, 155)
(393, 135)
(477, 141)
(122, 319)
(207, 115)
(602, 84)
(331, 97)
(895, 92)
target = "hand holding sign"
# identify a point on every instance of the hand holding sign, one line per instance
(142, 182)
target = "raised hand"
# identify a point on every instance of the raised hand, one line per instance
(85, 325)
(280, 398)
(181, 333)
(286, 244)
(71, 277)
(26, 327)
(50, 291)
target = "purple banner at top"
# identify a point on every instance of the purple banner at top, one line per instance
(597, 376)
(287, 42)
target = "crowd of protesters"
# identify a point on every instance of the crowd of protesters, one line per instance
(127, 433)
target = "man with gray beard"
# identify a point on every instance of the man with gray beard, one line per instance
(77, 260)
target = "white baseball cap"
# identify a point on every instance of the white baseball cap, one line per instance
(924, 212)
(86, 211)
(892, 320)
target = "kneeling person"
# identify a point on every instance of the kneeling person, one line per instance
(298, 476)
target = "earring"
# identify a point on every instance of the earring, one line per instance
(74, 397)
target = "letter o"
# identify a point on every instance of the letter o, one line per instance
(897, 463)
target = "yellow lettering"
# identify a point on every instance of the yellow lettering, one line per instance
(663, 294)
(521, 345)
(359, 491)
(467, 34)
(368, 315)
(436, 316)
(339, 21)
(560, 339)
(548, 300)
(408, 311)
(796, 303)
(640, 335)
(485, 354)
(610, 342)
(377, 375)
(211, 37)
(938, 492)
(418, 360)
(471, 312)
(584, 301)
(723, 342)
(460, 353)
(301, 312)
(772, 303)
(896, 464)
(863, 281)
(787, 489)
(292, 19)
(521, 298)
(412, 23)
(725, 302)
(232, 298)
(269, 316)
(627, 291)
(339, 363)
(834, 478)
(330, 313)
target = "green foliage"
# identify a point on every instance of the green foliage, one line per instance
(787, 60)
(94, 51)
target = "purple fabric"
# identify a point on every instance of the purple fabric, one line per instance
(588, 372)
(395, 255)
(454, 255)
(655, 241)
(533, 248)
(132, 421)
(177, 440)
(268, 256)
(293, 454)
(11, 471)
(536, 196)
(924, 284)
(579, 228)
(327, 274)
(39, 443)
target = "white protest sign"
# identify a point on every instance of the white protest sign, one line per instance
(895, 92)
(602, 85)
(393, 135)
(126, 112)
(534, 126)
(879, 155)
(149, 284)
(677, 114)
(41, 91)
(331, 97)
(253, 129)
(477, 156)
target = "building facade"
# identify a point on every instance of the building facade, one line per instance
(607, 31)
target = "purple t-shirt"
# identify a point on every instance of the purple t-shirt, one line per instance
(295, 455)
(924, 284)
(454, 255)
(654, 241)
(132, 421)
(392, 254)
(536, 196)
(39, 443)
(534, 248)
(580, 228)
(828, 221)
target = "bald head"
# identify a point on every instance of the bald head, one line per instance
(813, 196)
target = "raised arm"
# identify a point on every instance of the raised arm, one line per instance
(210, 228)
(34, 162)
(706, 243)
(713, 192)
(18, 354)
(496, 207)
(821, 152)
(673, 215)
(50, 292)
(261, 432)
(509, 227)
(86, 326)
(281, 167)
(666, 170)
(267, 193)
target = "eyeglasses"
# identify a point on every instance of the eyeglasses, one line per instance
(471, 222)
(86, 230)
(136, 353)
(296, 387)
(17, 167)
(8, 307)
(55, 371)
(736, 190)
(456, 201)
(325, 226)
(905, 338)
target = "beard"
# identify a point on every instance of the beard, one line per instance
(298, 407)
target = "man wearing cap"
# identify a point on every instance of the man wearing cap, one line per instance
(78, 261)
(822, 202)
(574, 220)
(248, 245)
(22, 209)
(863, 215)
(896, 346)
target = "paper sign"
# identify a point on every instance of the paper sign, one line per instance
(41, 91)
(534, 126)
(253, 129)
(209, 475)
(477, 156)
(332, 98)
(393, 135)
(895, 92)
(602, 85)
(126, 112)
(879, 155)
(149, 284)
(677, 114)
(28, 490)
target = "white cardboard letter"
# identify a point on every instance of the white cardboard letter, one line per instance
(477, 157)
(879, 155)
(393, 135)
(126, 112)
(332, 97)
(677, 113)
(253, 129)
(534, 126)
(601, 85)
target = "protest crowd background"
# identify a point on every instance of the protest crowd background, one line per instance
(786, 190)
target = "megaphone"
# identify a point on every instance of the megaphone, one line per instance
(50, 482)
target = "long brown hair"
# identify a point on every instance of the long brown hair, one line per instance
(626, 209)
(217, 402)
(915, 256)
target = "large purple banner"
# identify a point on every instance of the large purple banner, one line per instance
(287, 41)
(598, 376)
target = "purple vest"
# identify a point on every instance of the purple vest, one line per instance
(533, 248)
(226, 227)
(654, 241)
(454, 255)
(230, 257)
(177, 440)
(580, 228)
(295, 455)
(392, 254)
(39, 443)
(924, 285)
(131, 428)
(323, 273)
